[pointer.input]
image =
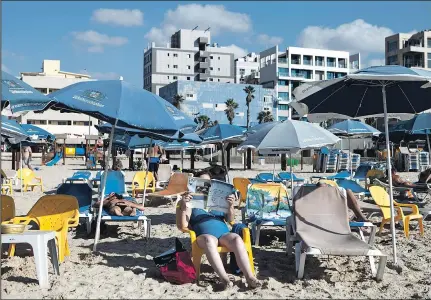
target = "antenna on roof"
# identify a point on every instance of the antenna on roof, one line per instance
(195, 28)
(207, 29)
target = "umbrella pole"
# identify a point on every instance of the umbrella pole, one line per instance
(273, 171)
(350, 160)
(291, 174)
(182, 159)
(389, 167)
(20, 166)
(224, 163)
(146, 176)
(142, 158)
(428, 142)
(103, 183)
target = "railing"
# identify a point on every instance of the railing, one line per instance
(282, 60)
(283, 74)
(319, 63)
(296, 61)
(302, 75)
(308, 62)
(343, 66)
(331, 64)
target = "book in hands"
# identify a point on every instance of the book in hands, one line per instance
(210, 194)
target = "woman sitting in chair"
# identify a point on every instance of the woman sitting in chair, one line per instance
(212, 232)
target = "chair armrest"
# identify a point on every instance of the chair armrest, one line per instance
(38, 178)
(246, 237)
(185, 230)
(20, 220)
(361, 224)
(414, 207)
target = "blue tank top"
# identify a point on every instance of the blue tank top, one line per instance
(203, 222)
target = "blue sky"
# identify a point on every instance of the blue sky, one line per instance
(108, 38)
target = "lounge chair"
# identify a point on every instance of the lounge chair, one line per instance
(79, 176)
(286, 176)
(84, 194)
(268, 177)
(6, 184)
(138, 183)
(7, 208)
(320, 223)
(339, 175)
(163, 175)
(266, 205)
(241, 185)
(115, 183)
(176, 186)
(398, 190)
(354, 186)
(381, 197)
(361, 172)
(29, 179)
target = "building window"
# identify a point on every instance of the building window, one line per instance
(42, 90)
(307, 74)
(59, 122)
(330, 62)
(188, 67)
(211, 68)
(53, 90)
(342, 63)
(188, 56)
(36, 122)
(283, 72)
(175, 54)
(168, 66)
(211, 57)
(392, 60)
(168, 76)
(218, 80)
(267, 99)
(283, 82)
(168, 53)
(319, 61)
(429, 60)
(330, 75)
(241, 71)
(83, 123)
(175, 66)
(280, 118)
(218, 69)
(392, 46)
(175, 77)
(189, 95)
(283, 107)
(188, 78)
(283, 95)
(211, 79)
(308, 60)
(296, 59)
(219, 58)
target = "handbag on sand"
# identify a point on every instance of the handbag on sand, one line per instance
(176, 265)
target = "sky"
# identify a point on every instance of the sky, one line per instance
(107, 39)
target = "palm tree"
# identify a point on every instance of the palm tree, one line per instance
(264, 117)
(249, 90)
(231, 105)
(178, 100)
(204, 120)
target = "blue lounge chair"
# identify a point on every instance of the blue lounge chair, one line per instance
(91, 162)
(340, 175)
(115, 183)
(268, 177)
(353, 186)
(285, 176)
(361, 172)
(79, 176)
(266, 205)
(84, 193)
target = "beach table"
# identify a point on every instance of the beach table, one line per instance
(40, 242)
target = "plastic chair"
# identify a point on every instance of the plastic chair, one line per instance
(138, 182)
(177, 185)
(7, 208)
(381, 197)
(163, 175)
(241, 184)
(268, 177)
(29, 179)
(285, 176)
(353, 186)
(6, 185)
(54, 213)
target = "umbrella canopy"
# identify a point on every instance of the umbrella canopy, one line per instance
(419, 124)
(37, 134)
(132, 142)
(118, 102)
(352, 128)
(177, 145)
(222, 133)
(19, 96)
(288, 136)
(12, 131)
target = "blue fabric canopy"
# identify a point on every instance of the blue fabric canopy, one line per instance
(19, 96)
(12, 131)
(131, 106)
(351, 127)
(37, 133)
(222, 133)
(419, 124)
(177, 145)
(132, 142)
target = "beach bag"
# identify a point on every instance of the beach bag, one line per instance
(175, 265)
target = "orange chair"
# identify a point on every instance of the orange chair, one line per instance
(177, 185)
(241, 184)
(54, 213)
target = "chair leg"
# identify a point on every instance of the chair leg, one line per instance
(300, 261)
(257, 237)
(406, 223)
(381, 268)
(11, 251)
(382, 225)
(421, 226)
(197, 263)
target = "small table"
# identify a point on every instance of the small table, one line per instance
(40, 241)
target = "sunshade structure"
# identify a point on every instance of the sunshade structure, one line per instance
(288, 137)
(37, 134)
(351, 128)
(132, 142)
(122, 104)
(18, 96)
(12, 131)
(418, 125)
(365, 93)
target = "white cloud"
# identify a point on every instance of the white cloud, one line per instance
(357, 36)
(97, 41)
(4, 68)
(119, 17)
(190, 15)
(267, 40)
(237, 51)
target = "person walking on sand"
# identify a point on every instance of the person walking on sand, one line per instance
(26, 157)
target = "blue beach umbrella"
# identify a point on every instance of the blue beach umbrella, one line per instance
(132, 142)
(222, 133)
(12, 131)
(418, 125)
(373, 90)
(19, 96)
(37, 134)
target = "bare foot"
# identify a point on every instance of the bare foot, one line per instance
(253, 283)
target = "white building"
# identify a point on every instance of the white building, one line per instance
(409, 50)
(286, 70)
(189, 56)
(247, 69)
(50, 80)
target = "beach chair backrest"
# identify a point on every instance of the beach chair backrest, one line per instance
(375, 174)
(27, 175)
(81, 191)
(241, 184)
(164, 172)
(7, 208)
(52, 211)
(351, 185)
(361, 172)
(115, 183)
(178, 183)
(268, 201)
(316, 208)
(81, 175)
(139, 179)
(267, 177)
(381, 197)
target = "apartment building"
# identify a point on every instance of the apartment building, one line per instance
(189, 56)
(247, 69)
(285, 70)
(208, 98)
(52, 79)
(409, 50)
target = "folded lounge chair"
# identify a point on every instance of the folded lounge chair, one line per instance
(241, 185)
(79, 176)
(268, 177)
(176, 186)
(354, 186)
(285, 176)
(320, 223)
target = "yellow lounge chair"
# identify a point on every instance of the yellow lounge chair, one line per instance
(7, 208)
(29, 179)
(55, 213)
(138, 183)
(241, 184)
(381, 197)
(6, 185)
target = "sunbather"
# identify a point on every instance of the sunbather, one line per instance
(397, 180)
(117, 206)
(212, 231)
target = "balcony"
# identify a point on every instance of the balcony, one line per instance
(204, 65)
(283, 61)
(283, 74)
(342, 66)
(319, 63)
(296, 61)
(203, 76)
(308, 62)
(302, 75)
(331, 64)
(414, 64)
(203, 54)
(203, 40)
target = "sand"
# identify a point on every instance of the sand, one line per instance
(123, 267)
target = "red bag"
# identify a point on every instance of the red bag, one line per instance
(176, 265)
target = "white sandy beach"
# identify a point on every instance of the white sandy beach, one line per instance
(123, 266)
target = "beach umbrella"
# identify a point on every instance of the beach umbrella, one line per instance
(18, 96)
(351, 128)
(120, 104)
(132, 142)
(287, 137)
(12, 131)
(37, 134)
(178, 146)
(373, 90)
(420, 124)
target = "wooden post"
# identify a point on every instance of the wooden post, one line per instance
(283, 162)
(13, 159)
(64, 152)
(192, 159)
(249, 158)
(228, 148)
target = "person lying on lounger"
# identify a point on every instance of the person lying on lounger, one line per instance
(397, 180)
(117, 206)
(212, 231)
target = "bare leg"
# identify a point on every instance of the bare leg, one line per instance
(352, 203)
(234, 243)
(210, 243)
